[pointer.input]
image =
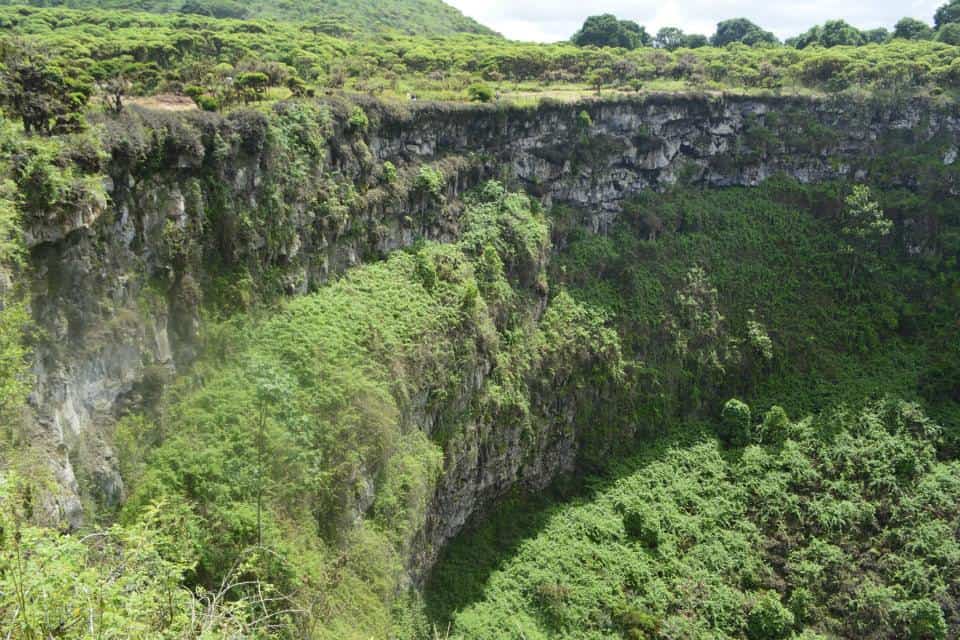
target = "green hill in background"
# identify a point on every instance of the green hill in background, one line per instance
(339, 17)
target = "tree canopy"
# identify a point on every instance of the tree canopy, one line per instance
(741, 30)
(608, 31)
(912, 29)
(672, 38)
(836, 33)
(947, 14)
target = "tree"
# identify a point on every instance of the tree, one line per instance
(47, 98)
(298, 87)
(696, 40)
(669, 38)
(115, 89)
(643, 525)
(599, 78)
(14, 385)
(117, 77)
(734, 427)
(769, 619)
(947, 14)
(879, 35)
(608, 31)
(624, 71)
(672, 38)
(809, 37)
(864, 225)
(949, 34)
(775, 426)
(741, 30)
(912, 29)
(252, 85)
(863, 218)
(698, 330)
(840, 33)
(835, 33)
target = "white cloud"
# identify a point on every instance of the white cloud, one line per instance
(547, 21)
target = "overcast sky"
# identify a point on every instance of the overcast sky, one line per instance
(552, 20)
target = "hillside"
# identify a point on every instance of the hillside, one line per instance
(337, 17)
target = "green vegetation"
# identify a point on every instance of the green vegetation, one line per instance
(13, 316)
(842, 525)
(62, 62)
(125, 580)
(334, 17)
(480, 92)
(741, 30)
(282, 484)
(948, 13)
(743, 523)
(278, 487)
(912, 29)
(607, 31)
(672, 38)
(802, 296)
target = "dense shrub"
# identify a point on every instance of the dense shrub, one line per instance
(769, 619)
(741, 534)
(480, 93)
(736, 423)
(359, 122)
(207, 103)
(807, 528)
(430, 181)
(267, 445)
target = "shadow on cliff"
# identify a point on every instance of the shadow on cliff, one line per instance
(486, 544)
(492, 539)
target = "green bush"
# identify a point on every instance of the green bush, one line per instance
(100, 47)
(925, 621)
(769, 619)
(736, 422)
(359, 122)
(584, 121)
(207, 103)
(636, 623)
(775, 425)
(193, 91)
(430, 181)
(389, 172)
(291, 408)
(252, 85)
(480, 93)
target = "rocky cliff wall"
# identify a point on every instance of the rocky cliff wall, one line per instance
(208, 215)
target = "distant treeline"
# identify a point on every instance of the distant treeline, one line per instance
(609, 31)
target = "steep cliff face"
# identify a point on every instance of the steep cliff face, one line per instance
(208, 215)
(594, 154)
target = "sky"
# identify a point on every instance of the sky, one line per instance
(553, 20)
